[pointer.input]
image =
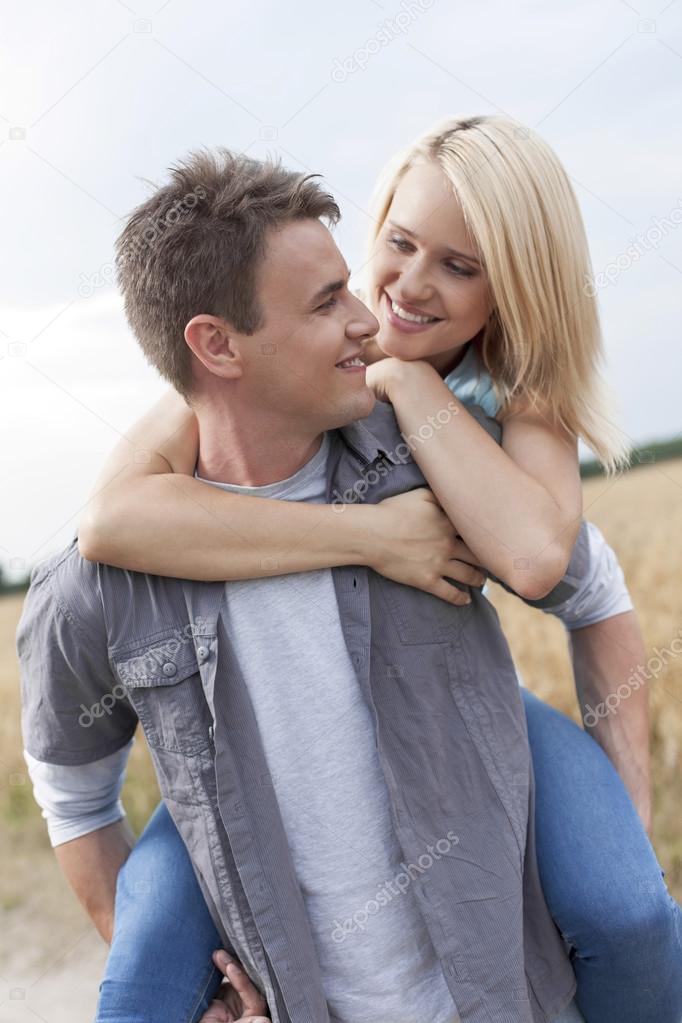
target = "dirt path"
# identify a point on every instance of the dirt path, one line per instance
(56, 985)
(51, 957)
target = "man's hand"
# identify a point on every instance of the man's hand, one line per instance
(239, 1001)
(413, 542)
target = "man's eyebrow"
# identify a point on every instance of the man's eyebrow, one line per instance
(453, 252)
(329, 289)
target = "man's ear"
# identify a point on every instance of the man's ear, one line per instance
(212, 341)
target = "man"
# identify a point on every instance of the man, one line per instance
(311, 733)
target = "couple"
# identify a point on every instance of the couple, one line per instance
(344, 752)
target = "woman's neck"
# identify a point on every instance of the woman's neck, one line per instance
(445, 362)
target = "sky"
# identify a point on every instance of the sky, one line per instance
(98, 100)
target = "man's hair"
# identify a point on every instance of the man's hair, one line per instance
(196, 246)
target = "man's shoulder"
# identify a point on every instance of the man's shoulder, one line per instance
(379, 431)
(382, 422)
(79, 588)
(69, 582)
(66, 570)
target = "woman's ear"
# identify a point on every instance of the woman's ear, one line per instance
(212, 341)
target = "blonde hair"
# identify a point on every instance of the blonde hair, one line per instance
(542, 343)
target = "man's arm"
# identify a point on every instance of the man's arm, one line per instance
(87, 827)
(76, 764)
(91, 865)
(606, 656)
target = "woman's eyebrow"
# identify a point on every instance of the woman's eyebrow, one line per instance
(452, 252)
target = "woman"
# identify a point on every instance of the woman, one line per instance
(477, 275)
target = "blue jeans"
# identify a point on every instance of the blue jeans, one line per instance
(159, 968)
(601, 879)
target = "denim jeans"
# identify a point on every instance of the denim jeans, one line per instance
(601, 878)
(602, 882)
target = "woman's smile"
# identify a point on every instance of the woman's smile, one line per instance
(407, 318)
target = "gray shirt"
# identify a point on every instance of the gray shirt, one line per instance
(101, 648)
(377, 960)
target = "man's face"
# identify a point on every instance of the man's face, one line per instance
(303, 364)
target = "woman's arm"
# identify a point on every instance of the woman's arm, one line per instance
(149, 514)
(517, 506)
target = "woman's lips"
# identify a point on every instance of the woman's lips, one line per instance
(407, 326)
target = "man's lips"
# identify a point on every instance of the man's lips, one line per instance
(352, 364)
(409, 326)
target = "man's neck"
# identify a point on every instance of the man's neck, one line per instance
(250, 454)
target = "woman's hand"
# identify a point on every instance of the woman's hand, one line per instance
(239, 1001)
(416, 544)
(382, 376)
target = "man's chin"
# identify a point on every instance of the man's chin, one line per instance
(352, 407)
(366, 401)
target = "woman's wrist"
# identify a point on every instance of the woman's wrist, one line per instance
(407, 377)
(354, 531)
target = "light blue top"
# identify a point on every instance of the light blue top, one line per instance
(471, 382)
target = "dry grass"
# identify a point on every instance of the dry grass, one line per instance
(641, 514)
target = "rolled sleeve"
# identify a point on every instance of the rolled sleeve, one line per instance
(78, 799)
(593, 588)
(74, 711)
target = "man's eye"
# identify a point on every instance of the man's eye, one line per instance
(329, 304)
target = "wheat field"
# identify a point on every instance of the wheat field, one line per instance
(641, 516)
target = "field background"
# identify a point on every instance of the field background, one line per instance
(51, 957)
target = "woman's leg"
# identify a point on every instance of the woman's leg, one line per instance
(159, 968)
(601, 878)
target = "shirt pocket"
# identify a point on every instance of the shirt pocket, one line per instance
(163, 683)
(421, 618)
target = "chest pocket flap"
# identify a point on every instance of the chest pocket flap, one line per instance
(163, 682)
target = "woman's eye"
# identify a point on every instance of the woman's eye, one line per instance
(459, 270)
(400, 243)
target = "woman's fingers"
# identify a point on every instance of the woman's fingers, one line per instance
(446, 591)
(252, 1002)
(461, 551)
(464, 573)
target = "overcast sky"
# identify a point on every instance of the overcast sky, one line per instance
(95, 97)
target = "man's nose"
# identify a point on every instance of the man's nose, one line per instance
(363, 327)
(363, 324)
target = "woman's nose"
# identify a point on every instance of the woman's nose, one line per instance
(414, 285)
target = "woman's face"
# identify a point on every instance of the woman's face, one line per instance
(426, 285)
